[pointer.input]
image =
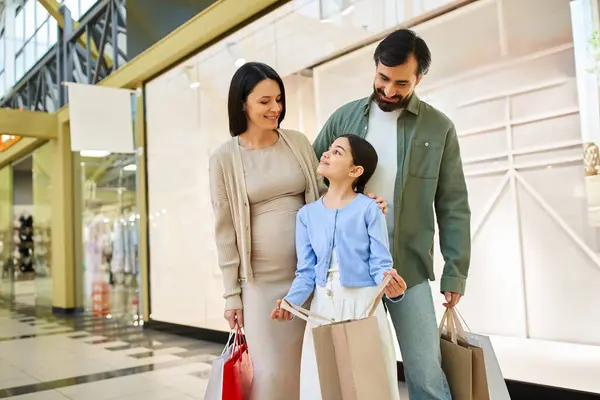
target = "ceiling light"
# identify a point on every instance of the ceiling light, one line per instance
(239, 62)
(348, 10)
(195, 85)
(130, 168)
(94, 153)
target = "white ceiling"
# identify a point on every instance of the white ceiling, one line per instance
(293, 37)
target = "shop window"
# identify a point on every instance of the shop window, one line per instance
(516, 117)
(110, 233)
(6, 270)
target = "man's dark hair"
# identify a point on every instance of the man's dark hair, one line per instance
(242, 84)
(395, 49)
(364, 155)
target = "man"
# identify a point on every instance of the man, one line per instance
(419, 169)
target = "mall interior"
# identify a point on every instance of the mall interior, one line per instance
(110, 109)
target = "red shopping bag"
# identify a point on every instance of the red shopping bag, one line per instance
(237, 371)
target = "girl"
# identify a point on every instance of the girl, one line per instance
(342, 247)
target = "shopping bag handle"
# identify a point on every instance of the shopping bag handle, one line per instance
(456, 321)
(228, 343)
(372, 306)
(448, 323)
(453, 326)
(302, 313)
(461, 318)
(238, 333)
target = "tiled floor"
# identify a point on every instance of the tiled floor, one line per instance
(93, 358)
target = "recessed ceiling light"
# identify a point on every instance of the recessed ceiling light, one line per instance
(94, 153)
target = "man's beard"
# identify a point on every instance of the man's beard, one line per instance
(386, 106)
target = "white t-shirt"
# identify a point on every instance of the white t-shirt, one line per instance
(382, 133)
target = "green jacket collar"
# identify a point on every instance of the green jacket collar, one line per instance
(413, 104)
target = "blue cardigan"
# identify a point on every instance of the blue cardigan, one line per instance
(360, 236)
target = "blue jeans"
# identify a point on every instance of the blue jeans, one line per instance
(417, 330)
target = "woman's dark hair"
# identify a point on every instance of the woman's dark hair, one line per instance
(363, 154)
(242, 84)
(395, 49)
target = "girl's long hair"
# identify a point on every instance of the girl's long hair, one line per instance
(363, 154)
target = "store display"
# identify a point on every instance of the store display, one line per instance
(6, 258)
(111, 242)
(42, 245)
(23, 255)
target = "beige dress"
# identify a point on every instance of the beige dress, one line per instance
(275, 185)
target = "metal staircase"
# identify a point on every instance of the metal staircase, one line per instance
(86, 52)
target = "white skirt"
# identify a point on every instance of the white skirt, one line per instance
(342, 303)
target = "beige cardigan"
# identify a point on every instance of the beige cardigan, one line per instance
(232, 210)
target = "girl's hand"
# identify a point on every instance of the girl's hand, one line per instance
(279, 314)
(396, 287)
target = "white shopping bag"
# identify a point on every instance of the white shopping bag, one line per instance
(214, 390)
(496, 384)
(495, 381)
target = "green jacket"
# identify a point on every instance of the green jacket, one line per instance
(430, 175)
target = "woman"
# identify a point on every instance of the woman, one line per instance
(258, 181)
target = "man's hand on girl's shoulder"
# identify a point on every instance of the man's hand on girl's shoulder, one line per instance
(380, 202)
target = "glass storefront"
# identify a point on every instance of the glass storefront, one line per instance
(26, 238)
(110, 232)
(42, 216)
(512, 94)
(7, 275)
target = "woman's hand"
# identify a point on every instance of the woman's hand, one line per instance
(235, 316)
(279, 314)
(396, 287)
(380, 202)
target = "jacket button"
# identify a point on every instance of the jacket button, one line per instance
(426, 144)
(328, 293)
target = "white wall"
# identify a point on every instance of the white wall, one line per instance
(185, 126)
(512, 94)
(511, 91)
